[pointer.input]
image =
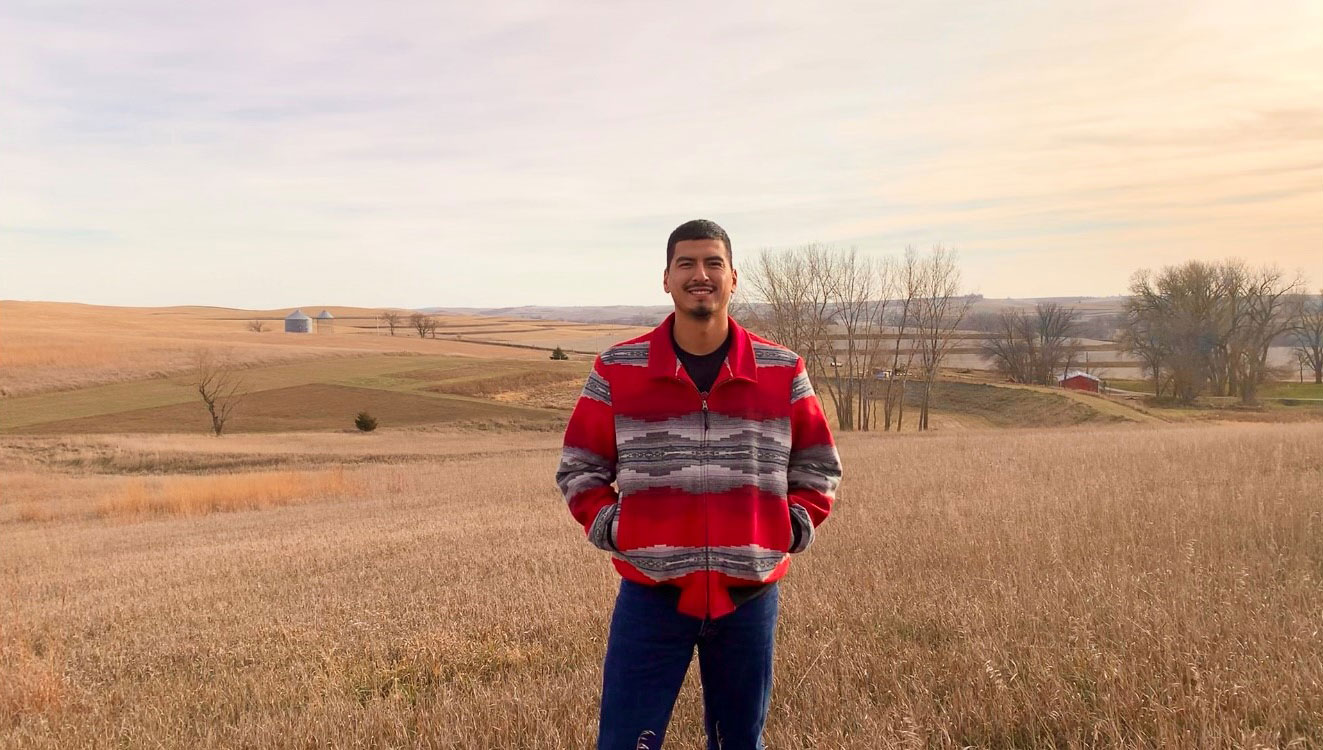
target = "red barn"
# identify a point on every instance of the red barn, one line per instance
(1082, 381)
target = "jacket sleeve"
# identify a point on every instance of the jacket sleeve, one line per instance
(588, 461)
(814, 470)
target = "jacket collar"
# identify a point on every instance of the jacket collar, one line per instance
(662, 362)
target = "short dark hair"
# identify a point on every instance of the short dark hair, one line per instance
(697, 229)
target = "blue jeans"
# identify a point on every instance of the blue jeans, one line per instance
(648, 652)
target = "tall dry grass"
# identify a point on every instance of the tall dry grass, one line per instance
(1122, 587)
(31, 682)
(200, 495)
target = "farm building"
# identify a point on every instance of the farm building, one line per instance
(325, 322)
(1082, 381)
(297, 322)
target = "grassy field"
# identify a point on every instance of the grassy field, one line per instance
(999, 406)
(321, 394)
(1270, 390)
(1093, 587)
(50, 346)
(320, 382)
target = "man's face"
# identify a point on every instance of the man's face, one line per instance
(700, 278)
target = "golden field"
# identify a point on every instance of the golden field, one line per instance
(1109, 586)
(1119, 576)
(46, 346)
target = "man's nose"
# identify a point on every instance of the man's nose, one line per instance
(700, 273)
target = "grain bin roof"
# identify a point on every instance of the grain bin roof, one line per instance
(297, 315)
(325, 315)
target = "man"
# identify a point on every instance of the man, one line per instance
(724, 466)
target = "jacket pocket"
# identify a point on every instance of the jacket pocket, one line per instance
(801, 529)
(602, 532)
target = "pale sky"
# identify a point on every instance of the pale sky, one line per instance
(271, 154)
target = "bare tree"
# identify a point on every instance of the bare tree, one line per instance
(1267, 297)
(256, 326)
(423, 324)
(835, 306)
(941, 308)
(1141, 335)
(1204, 326)
(859, 293)
(1178, 310)
(793, 298)
(220, 385)
(908, 278)
(391, 319)
(828, 305)
(872, 353)
(1034, 348)
(1307, 335)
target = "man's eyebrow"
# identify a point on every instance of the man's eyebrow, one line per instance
(721, 256)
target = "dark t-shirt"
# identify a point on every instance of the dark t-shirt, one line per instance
(703, 369)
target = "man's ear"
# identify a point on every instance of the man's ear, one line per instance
(666, 280)
(734, 279)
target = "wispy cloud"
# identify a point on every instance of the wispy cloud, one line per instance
(267, 154)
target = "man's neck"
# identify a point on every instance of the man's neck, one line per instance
(701, 335)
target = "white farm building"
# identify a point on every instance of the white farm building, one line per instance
(297, 322)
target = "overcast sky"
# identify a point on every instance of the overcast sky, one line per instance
(267, 154)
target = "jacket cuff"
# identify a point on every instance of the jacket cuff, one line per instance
(802, 527)
(602, 532)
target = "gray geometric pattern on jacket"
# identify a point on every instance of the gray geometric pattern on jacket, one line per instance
(769, 355)
(581, 470)
(597, 388)
(626, 354)
(673, 453)
(816, 467)
(663, 563)
(800, 387)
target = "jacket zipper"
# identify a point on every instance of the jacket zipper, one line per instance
(707, 522)
(702, 466)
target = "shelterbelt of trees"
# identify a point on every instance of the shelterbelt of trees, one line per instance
(869, 327)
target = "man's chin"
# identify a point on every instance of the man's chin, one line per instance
(702, 312)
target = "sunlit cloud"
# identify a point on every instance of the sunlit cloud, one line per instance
(256, 154)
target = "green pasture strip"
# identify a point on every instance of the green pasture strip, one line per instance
(1130, 384)
(1267, 390)
(532, 412)
(92, 402)
(1292, 390)
(145, 394)
(404, 381)
(417, 387)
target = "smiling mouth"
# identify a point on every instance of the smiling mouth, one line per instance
(701, 291)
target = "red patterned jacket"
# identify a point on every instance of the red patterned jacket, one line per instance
(709, 484)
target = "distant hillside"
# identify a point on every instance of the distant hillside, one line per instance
(647, 315)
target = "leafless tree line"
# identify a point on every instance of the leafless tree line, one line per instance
(1037, 347)
(424, 325)
(1207, 327)
(1307, 336)
(865, 326)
